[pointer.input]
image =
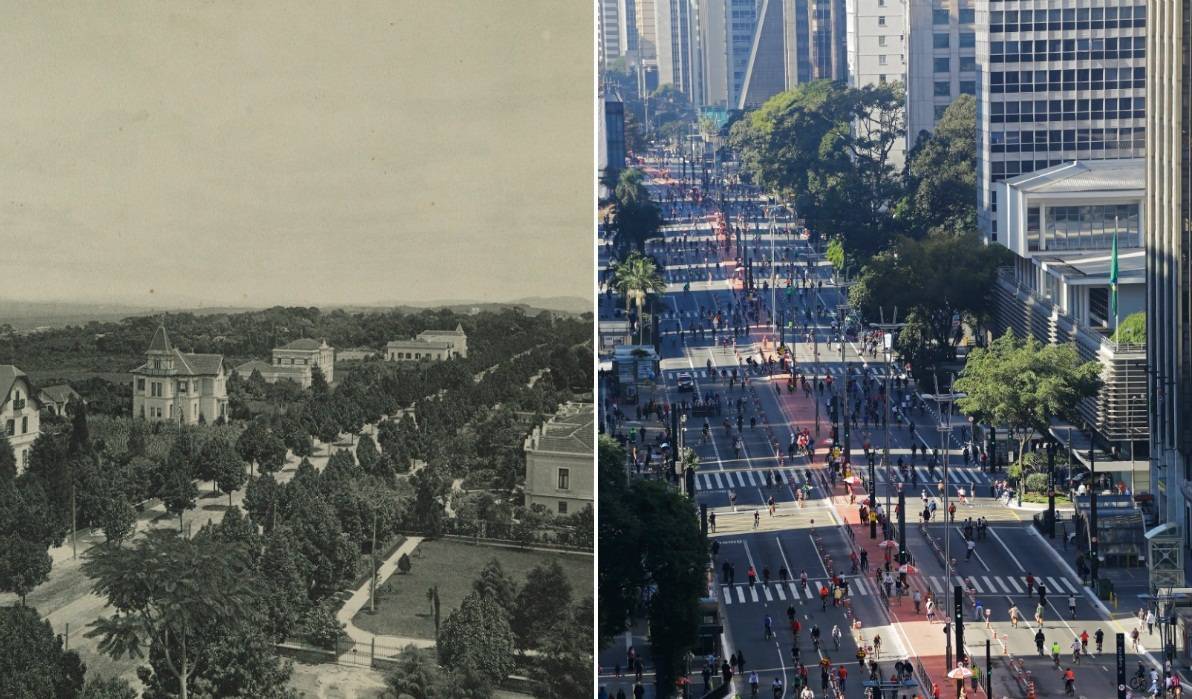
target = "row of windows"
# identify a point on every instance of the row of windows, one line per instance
(1067, 49)
(943, 88)
(1014, 168)
(1071, 79)
(943, 64)
(11, 427)
(1013, 112)
(1028, 141)
(1083, 227)
(941, 40)
(1068, 18)
(939, 17)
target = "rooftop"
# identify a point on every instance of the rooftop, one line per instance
(569, 431)
(1122, 175)
(419, 344)
(1093, 267)
(303, 344)
(459, 330)
(60, 393)
(8, 376)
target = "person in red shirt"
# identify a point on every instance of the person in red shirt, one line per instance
(842, 675)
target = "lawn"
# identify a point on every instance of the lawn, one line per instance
(402, 608)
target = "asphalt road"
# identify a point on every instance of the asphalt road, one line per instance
(737, 485)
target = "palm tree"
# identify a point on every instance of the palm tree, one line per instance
(636, 277)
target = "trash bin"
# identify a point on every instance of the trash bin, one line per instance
(1104, 588)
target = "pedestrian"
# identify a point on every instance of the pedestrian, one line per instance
(757, 519)
(1072, 605)
(712, 523)
(1150, 623)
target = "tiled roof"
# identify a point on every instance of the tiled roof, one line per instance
(253, 365)
(8, 376)
(419, 344)
(60, 393)
(569, 432)
(186, 364)
(303, 344)
(459, 330)
(161, 342)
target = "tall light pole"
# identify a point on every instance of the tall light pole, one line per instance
(944, 428)
(888, 346)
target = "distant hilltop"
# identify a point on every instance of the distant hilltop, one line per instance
(28, 316)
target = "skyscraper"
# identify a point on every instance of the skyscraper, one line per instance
(941, 60)
(876, 49)
(796, 41)
(1168, 241)
(726, 38)
(1059, 83)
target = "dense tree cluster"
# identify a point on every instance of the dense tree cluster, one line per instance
(654, 542)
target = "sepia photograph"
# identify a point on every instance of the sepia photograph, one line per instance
(297, 350)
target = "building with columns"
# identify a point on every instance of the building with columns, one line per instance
(178, 386)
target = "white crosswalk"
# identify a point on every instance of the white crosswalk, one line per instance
(725, 480)
(1003, 584)
(672, 375)
(792, 591)
(787, 591)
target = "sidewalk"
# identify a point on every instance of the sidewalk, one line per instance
(362, 640)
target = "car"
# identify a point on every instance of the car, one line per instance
(686, 382)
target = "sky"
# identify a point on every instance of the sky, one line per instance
(260, 153)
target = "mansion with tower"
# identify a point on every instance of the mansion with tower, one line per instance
(179, 386)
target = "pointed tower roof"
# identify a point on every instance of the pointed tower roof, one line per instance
(161, 342)
(459, 328)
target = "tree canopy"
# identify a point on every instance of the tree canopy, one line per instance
(1024, 384)
(941, 174)
(637, 218)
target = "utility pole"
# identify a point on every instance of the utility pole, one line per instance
(944, 427)
(1093, 569)
(1051, 447)
(890, 329)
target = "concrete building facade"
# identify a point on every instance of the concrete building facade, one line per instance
(875, 38)
(178, 386)
(1057, 83)
(20, 413)
(1168, 243)
(559, 472)
(1060, 223)
(941, 51)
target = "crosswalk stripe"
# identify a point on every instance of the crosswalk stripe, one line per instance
(1015, 585)
(862, 586)
(1071, 587)
(766, 592)
(794, 591)
(753, 593)
(972, 582)
(935, 582)
(1053, 585)
(741, 594)
(753, 480)
(957, 580)
(728, 594)
(988, 583)
(716, 476)
(1002, 584)
(778, 591)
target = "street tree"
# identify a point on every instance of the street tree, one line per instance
(366, 453)
(637, 218)
(32, 660)
(636, 277)
(941, 175)
(939, 284)
(415, 675)
(284, 576)
(1024, 384)
(8, 460)
(176, 485)
(477, 638)
(261, 500)
(168, 592)
(27, 530)
(659, 546)
(546, 591)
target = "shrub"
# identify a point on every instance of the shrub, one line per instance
(320, 627)
(403, 564)
(1036, 483)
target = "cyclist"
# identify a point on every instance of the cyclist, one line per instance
(1055, 652)
(778, 688)
(815, 637)
(836, 636)
(769, 623)
(753, 683)
(1039, 641)
(1076, 651)
(1069, 681)
(1084, 642)
(1100, 638)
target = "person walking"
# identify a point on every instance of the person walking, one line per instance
(1072, 605)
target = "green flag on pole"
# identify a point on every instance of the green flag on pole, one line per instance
(1113, 278)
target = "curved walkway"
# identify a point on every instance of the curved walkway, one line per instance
(361, 648)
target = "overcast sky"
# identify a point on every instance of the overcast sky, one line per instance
(254, 153)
